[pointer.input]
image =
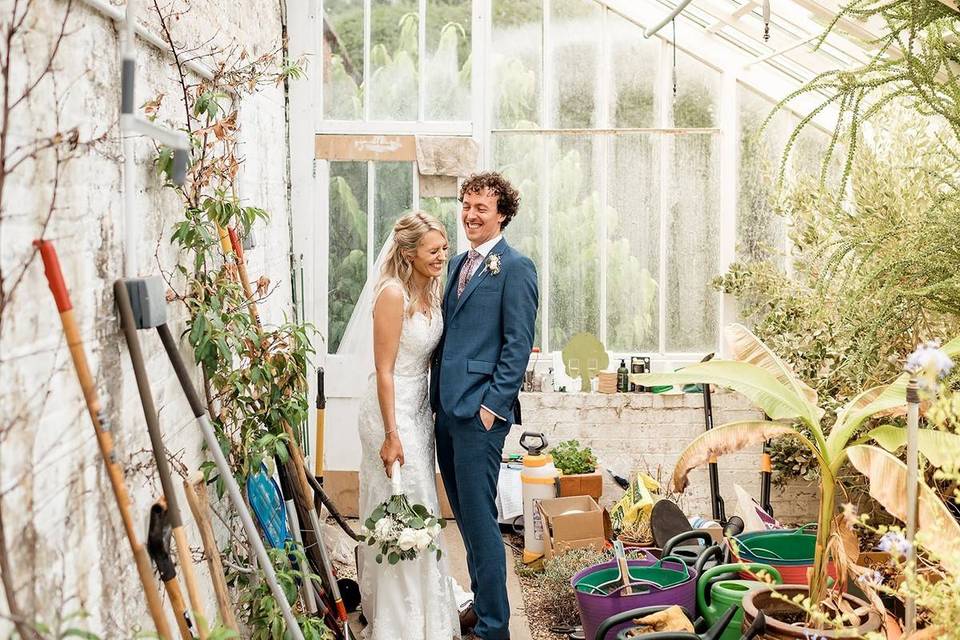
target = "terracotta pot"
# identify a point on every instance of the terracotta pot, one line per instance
(777, 610)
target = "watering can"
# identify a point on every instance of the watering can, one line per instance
(717, 592)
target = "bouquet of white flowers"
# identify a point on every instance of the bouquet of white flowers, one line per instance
(401, 530)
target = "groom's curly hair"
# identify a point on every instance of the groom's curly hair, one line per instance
(508, 198)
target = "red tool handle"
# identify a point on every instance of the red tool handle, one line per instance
(51, 268)
(235, 242)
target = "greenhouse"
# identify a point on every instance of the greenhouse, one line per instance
(498, 319)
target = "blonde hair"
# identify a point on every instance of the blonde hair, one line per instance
(407, 234)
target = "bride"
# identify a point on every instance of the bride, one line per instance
(413, 599)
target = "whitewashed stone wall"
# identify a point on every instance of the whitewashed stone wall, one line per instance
(646, 432)
(65, 541)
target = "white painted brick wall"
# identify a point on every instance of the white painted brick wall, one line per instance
(64, 537)
(647, 432)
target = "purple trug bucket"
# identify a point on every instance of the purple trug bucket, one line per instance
(595, 608)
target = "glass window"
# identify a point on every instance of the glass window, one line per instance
(447, 211)
(632, 85)
(520, 158)
(343, 60)
(447, 65)
(696, 103)
(760, 231)
(575, 32)
(348, 244)
(574, 223)
(516, 57)
(693, 211)
(633, 243)
(394, 54)
(394, 197)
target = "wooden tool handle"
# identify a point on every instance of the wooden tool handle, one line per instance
(196, 492)
(296, 457)
(51, 268)
(179, 608)
(58, 287)
(142, 561)
(190, 577)
(242, 271)
(625, 575)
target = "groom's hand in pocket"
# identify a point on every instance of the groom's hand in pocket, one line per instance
(487, 418)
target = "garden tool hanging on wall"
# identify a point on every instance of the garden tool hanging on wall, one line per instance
(51, 267)
(147, 289)
(158, 546)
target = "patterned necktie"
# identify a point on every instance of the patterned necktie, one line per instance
(467, 271)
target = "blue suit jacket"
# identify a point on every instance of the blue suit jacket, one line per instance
(487, 337)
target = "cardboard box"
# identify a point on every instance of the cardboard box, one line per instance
(580, 484)
(574, 522)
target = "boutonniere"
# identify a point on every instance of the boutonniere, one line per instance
(493, 264)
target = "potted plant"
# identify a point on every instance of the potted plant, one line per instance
(757, 373)
(578, 468)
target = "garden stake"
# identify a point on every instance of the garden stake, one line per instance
(158, 546)
(301, 488)
(233, 490)
(306, 590)
(913, 426)
(128, 325)
(242, 272)
(196, 491)
(51, 267)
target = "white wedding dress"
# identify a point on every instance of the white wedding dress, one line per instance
(413, 599)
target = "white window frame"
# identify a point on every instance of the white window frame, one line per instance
(704, 46)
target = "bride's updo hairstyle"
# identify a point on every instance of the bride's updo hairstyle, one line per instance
(397, 263)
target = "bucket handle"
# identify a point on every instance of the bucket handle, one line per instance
(678, 560)
(773, 555)
(804, 528)
(633, 583)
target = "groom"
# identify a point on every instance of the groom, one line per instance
(489, 311)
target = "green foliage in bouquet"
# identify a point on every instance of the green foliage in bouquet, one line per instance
(402, 531)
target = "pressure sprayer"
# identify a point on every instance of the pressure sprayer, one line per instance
(537, 478)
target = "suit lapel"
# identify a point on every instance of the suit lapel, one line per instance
(479, 275)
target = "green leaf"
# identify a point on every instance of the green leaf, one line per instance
(760, 386)
(941, 448)
(730, 438)
(393, 558)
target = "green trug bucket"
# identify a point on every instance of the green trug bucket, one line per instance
(715, 596)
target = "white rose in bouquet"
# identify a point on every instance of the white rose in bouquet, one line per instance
(423, 539)
(407, 539)
(434, 530)
(382, 528)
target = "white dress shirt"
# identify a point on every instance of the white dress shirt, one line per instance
(484, 250)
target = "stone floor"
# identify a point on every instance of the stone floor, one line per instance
(457, 563)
